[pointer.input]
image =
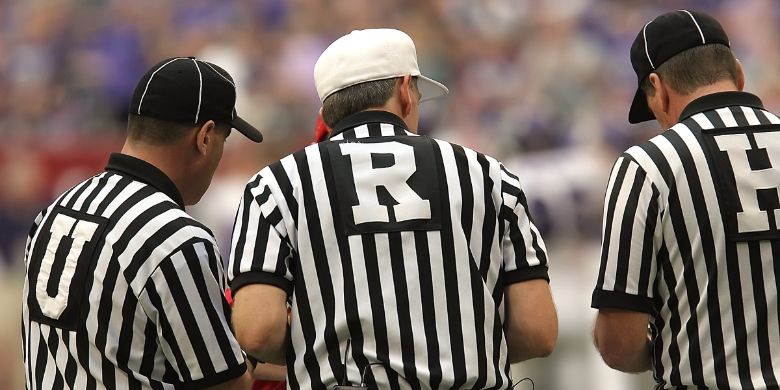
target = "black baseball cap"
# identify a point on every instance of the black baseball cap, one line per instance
(663, 38)
(189, 90)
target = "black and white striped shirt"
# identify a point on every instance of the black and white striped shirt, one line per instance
(124, 290)
(401, 245)
(692, 237)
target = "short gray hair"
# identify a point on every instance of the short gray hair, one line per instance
(358, 97)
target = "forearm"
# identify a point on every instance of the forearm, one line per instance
(269, 372)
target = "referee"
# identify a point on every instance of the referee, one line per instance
(691, 241)
(124, 288)
(408, 262)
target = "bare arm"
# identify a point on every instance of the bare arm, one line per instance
(531, 324)
(260, 321)
(622, 339)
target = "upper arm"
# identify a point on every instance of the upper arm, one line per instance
(185, 300)
(262, 336)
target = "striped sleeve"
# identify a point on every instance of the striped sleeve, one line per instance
(184, 299)
(525, 255)
(630, 240)
(261, 248)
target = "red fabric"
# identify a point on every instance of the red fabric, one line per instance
(269, 385)
(321, 131)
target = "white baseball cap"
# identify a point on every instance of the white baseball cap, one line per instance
(369, 55)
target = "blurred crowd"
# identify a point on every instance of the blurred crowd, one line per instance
(544, 85)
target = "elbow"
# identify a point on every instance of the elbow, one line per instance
(620, 356)
(256, 342)
(532, 343)
(264, 341)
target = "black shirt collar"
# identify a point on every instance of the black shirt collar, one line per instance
(718, 100)
(143, 171)
(363, 117)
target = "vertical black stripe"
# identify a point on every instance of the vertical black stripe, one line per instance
(200, 279)
(609, 219)
(350, 291)
(490, 217)
(626, 233)
(101, 183)
(287, 190)
(379, 318)
(673, 349)
(683, 241)
(246, 203)
(147, 365)
(762, 312)
(646, 264)
(451, 280)
(733, 272)
(708, 244)
(78, 190)
(319, 252)
(475, 276)
(168, 333)
(308, 330)
(427, 294)
(397, 261)
(117, 188)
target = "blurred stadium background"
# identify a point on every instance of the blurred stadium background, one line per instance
(542, 84)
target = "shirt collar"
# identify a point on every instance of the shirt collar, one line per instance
(143, 171)
(363, 117)
(718, 100)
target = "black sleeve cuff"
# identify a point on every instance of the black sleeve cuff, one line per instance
(521, 275)
(619, 300)
(260, 277)
(217, 378)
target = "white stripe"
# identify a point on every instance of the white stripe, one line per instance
(750, 116)
(200, 89)
(143, 95)
(389, 300)
(361, 131)
(440, 307)
(751, 319)
(614, 240)
(328, 230)
(199, 307)
(644, 35)
(727, 117)
(461, 261)
(101, 196)
(92, 183)
(412, 275)
(771, 117)
(703, 41)
(703, 121)
(387, 129)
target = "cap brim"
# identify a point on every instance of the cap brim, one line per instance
(639, 111)
(430, 89)
(246, 129)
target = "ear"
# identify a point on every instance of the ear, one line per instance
(205, 137)
(659, 100)
(740, 76)
(405, 95)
